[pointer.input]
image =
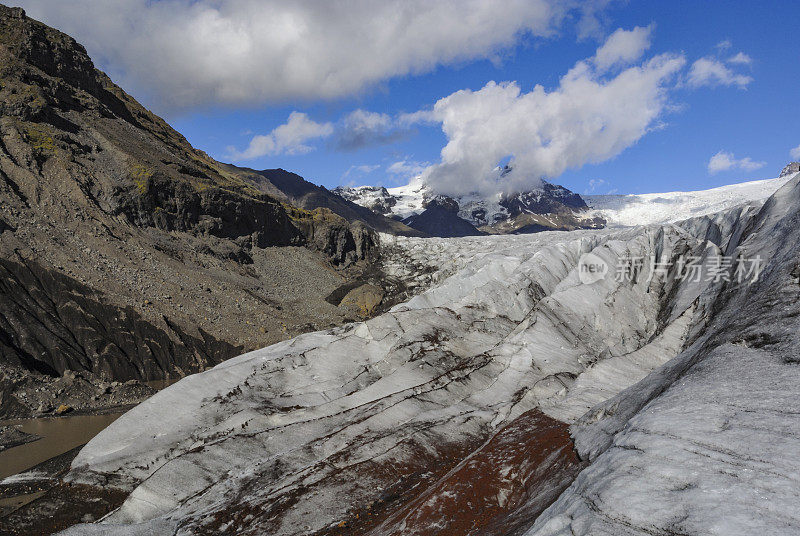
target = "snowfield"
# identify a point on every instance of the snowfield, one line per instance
(647, 209)
(461, 411)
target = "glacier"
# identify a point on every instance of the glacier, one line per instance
(508, 396)
(646, 209)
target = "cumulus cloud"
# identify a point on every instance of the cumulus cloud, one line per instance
(725, 161)
(288, 138)
(623, 47)
(361, 128)
(712, 72)
(741, 58)
(234, 52)
(795, 153)
(416, 118)
(589, 118)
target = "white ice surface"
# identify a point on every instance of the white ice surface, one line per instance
(507, 332)
(717, 454)
(646, 209)
(709, 443)
(507, 327)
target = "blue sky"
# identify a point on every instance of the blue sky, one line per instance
(749, 119)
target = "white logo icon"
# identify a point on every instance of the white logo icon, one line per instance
(591, 268)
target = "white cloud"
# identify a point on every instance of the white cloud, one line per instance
(415, 118)
(594, 185)
(712, 72)
(724, 45)
(588, 118)
(289, 138)
(593, 20)
(725, 161)
(623, 47)
(233, 52)
(361, 128)
(795, 153)
(407, 168)
(741, 58)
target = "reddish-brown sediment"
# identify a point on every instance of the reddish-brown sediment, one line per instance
(403, 478)
(500, 488)
(493, 486)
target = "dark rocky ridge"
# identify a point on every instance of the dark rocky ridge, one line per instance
(440, 218)
(294, 189)
(127, 253)
(550, 198)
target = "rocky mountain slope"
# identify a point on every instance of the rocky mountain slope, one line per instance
(440, 218)
(462, 410)
(292, 188)
(125, 253)
(790, 169)
(549, 207)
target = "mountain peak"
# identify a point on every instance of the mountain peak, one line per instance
(545, 207)
(790, 169)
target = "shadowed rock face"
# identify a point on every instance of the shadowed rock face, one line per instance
(51, 323)
(174, 206)
(438, 221)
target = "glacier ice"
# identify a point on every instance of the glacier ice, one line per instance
(296, 438)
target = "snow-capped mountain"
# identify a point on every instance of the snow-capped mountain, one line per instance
(790, 169)
(554, 207)
(548, 207)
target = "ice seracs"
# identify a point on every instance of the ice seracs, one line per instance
(672, 386)
(712, 436)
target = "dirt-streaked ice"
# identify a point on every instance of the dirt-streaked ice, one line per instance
(710, 442)
(299, 435)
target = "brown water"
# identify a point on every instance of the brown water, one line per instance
(58, 435)
(10, 504)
